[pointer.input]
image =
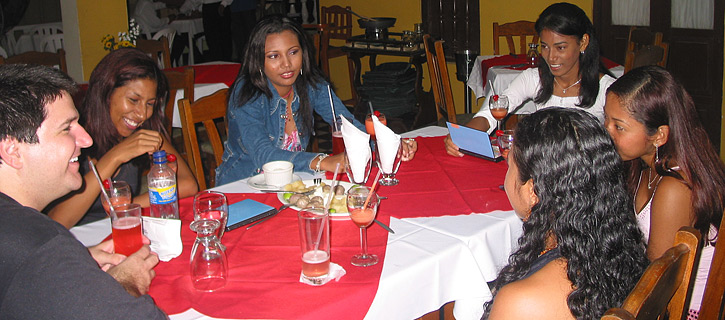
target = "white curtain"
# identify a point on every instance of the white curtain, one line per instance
(693, 14)
(631, 12)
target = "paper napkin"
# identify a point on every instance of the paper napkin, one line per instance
(336, 272)
(357, 147)
(388, 145)
(165, 236)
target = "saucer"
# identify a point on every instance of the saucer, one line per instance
(257, 182)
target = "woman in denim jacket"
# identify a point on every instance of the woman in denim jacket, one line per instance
(271, 104)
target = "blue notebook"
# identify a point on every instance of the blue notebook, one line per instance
(473, 142)
(247, 211)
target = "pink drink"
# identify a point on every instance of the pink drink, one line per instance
(116, 201)
(499, 114)
(362, 217)
(315, 263)
(338, 146)
(127, 235)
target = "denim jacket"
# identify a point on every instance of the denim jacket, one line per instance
(256, 132)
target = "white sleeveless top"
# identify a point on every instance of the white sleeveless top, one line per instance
(703, 267)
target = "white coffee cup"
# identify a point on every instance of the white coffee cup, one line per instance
(278, 173)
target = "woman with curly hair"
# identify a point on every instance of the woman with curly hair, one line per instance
(674, 174)
(123, 113)
(569, 75)
(581, 251)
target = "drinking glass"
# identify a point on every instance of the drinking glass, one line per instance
(126, 228)
(338, 145)
(118, 195)
(315, 244)
(366, 173)
(208, 264)
(499, 106)
(505, 141)
(362, 215)
(390, 169)
(212, 205)
(370, 129)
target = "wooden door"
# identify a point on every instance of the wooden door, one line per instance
(695, 57)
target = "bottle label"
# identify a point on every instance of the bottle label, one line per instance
(162, 195)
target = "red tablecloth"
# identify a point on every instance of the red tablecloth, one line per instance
(265, 260)
(214, 73)
(510, 59)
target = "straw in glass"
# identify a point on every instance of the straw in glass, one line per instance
(332, 108)
(492, 89)
(104, 195)
(327, 207)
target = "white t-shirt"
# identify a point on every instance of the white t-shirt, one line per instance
(526, 86)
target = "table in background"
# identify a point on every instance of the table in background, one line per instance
(208, 78)
(192, 27)
(502, 77)
(440, 252)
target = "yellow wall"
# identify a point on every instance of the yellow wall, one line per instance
(95, 21)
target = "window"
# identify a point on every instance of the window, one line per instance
(455, 21)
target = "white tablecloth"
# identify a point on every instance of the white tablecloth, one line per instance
(200, 90)
(501, 78)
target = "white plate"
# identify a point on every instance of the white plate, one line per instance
(257, 182)
(318, 192)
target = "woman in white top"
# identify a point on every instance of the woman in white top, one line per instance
(570, 73)
(674, 173)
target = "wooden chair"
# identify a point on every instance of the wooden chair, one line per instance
(205, 111)
(178, 80)
(340, 24)
(640, 37)
(712, 300)
(441, 83)
(158, 49)
(664, 286)
(42, 58)
(520, 29)
(648, 55)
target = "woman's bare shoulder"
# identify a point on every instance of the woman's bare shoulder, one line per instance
(542, 295)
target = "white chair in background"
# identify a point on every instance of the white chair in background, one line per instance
(170, 33)
(51, 43)
(3, 53)
(43, 30)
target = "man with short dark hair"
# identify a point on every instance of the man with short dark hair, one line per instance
(45, 273)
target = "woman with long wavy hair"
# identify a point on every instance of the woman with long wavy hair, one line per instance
(581, 251)
(123, 113)
(674, 173)
(569, 73)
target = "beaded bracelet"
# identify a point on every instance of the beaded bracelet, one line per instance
(321, 157)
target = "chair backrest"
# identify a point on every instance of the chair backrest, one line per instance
(440, 81)
(712, 300)
(170, 33)
(178, 80)
(520, 29)
(642, 36)
(42, 58)
(665, 284)
(205, 111)
(339, 19)
(321, 41)
(3, 53)
(158, 49)
(648, 55)
(46, 29)
(51, 43)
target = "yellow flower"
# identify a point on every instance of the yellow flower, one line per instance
(125, 44)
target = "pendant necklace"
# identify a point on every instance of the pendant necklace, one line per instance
(567, 88)
(650, 181)
(289, 115)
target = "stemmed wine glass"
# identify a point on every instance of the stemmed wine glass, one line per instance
(360, 179)
(499, 106)
(505, 141)
(370, 129)
(363, 214)
(212, 205)
(390, 169)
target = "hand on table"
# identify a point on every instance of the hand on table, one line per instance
(138, 143)
(329, 163)
(452, 148)
(410, 147)
(136, 271)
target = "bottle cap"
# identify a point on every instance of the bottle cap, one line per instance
(159, 156)
(171, 157)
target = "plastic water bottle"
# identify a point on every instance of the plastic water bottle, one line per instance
(162, 188)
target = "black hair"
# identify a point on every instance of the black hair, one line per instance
(577, 177)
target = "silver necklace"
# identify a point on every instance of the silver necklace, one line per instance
(567, 88)
(650, 181)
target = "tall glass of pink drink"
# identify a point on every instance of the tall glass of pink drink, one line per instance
(315, 245)
(126, 228)
(338, 146)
